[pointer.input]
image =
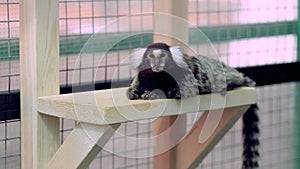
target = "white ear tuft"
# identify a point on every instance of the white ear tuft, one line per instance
(136, 57)
(178, 56)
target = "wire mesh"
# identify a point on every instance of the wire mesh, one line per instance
(10, 144)
(233, 15)
(80, 20)
(231, 12)
(10, 139)
(9, 35)
(244, 33)
(279, 118)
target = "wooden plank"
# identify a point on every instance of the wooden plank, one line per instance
(192, 150)
(112, 106)
(82, 146)
(39, 51)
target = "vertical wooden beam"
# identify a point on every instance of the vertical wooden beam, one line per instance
(39, 51)
(171, 22)
(170, 26)
(168, 131)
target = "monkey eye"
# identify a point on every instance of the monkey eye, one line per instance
(163, 55)
(151, 56)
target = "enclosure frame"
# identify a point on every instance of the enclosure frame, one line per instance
(39, 51)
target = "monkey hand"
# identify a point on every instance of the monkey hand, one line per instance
(154, 94)
(174, 93)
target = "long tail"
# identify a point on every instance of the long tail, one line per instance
(251, 138)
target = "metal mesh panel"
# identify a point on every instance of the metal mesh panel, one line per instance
(279, 131)
(10, 141)
(240, 48)
(9, 35)
(107, 19)
(81, 20)
(258, 51)
(10, 144)
(231, 12)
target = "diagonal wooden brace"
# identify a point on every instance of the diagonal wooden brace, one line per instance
(191, 151)
(206, 132)
(82, 146)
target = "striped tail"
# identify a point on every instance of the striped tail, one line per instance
(251, 138)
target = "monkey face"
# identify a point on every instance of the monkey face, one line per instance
(157, 59)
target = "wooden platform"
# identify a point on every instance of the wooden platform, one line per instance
(112, 106)
(100, 113)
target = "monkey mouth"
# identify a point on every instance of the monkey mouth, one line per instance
(155, 69)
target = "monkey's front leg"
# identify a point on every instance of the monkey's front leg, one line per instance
(134, 91)
(133, 94)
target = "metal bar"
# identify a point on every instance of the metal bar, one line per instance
(297, 95)
(297, 124)
(215, 34)
(298, 31)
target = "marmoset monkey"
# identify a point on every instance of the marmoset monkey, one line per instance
(165, 72)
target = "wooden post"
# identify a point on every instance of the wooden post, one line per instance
(39, 51)
(170, 26)
(170, 22)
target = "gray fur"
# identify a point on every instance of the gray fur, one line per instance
(214, 76)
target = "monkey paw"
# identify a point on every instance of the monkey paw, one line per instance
(174, 93)
(155, 94)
